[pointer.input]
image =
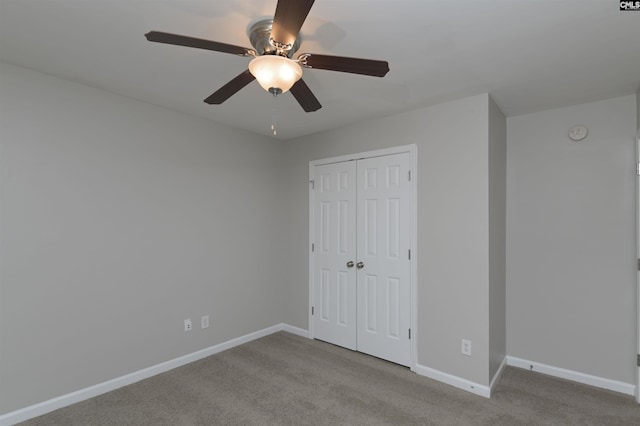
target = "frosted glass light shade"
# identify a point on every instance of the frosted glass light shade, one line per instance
(275, 71)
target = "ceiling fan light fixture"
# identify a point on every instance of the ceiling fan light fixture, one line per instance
(275, 72)
(272, 65)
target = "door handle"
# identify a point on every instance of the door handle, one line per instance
(360, 265)
(350, 264)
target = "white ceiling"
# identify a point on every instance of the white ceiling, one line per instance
(529, 55)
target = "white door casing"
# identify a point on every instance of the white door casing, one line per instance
(376, 315)
(638, 256)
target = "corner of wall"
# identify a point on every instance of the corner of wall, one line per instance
(638, 110)
(497, 237)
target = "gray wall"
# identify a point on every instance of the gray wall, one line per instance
(571, 298)
(453, 218)
(118, 220)
(497, 237)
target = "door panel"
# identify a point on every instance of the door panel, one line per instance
(335, 228)
(384, 292)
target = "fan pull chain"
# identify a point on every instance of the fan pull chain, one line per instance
(273, 124)
(274, 113)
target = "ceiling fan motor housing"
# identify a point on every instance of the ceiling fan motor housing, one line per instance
(259, 35)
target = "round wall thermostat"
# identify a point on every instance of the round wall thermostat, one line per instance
(577, 133)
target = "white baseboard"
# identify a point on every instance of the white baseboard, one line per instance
(461, 383)
(452, 380)
(587, 379)
(296, 330)
(104, 387)
(458, 382)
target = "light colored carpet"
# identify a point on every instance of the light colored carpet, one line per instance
(283, 379)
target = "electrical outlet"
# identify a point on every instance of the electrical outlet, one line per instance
(466, 347)
(188, 326)
(204, 321)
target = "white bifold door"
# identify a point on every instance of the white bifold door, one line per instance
(361, 257)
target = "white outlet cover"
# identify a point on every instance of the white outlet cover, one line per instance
(466, 347)
(204, 321)
(188, 326)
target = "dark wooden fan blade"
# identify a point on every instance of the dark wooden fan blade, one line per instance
(344, 64)
(304, 96)
(231, 88)
(288, 19)
(180, 40)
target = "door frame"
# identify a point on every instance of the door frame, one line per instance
(413, 222)
(638, 264)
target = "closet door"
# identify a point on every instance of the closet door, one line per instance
(383, 242)
(335, 253)
(361, 267)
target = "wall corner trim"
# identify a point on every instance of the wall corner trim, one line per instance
(454, 381)
(575, 376)
(497, 376)
(61, 401)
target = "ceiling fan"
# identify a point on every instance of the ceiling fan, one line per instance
(275, 41)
